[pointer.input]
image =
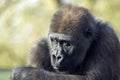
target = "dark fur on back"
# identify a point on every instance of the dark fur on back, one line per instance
(104, 54)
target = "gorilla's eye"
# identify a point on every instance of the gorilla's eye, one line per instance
(88, 33)
(64, 43)
(54, 40)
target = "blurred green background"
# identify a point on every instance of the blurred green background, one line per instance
(22, 22)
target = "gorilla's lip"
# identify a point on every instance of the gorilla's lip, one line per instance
(55, 67)
(59, 68)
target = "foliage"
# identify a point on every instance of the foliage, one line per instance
(24, 21)
(5, 75)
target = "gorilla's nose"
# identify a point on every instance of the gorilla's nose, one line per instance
(57, 58)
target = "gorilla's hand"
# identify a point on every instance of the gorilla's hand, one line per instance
(27, 73)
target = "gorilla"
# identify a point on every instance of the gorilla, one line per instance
(78, 47)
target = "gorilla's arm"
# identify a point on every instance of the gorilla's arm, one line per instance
(38, 65)
(41, 69)
(29, 73)
(39, 56)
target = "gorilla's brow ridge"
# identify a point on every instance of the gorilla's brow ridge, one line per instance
(60, 36)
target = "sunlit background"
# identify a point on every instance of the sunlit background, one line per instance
(22, 22)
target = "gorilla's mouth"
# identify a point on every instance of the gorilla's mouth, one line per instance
(64, 65)
(60, 68)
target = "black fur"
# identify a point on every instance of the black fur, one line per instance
(97, 54)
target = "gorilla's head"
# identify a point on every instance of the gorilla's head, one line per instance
(71, 33)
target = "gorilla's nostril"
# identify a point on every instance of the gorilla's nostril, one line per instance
(54, 57)
(59, 57)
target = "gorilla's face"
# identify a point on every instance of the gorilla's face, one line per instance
(66, 51)
(61, 49)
